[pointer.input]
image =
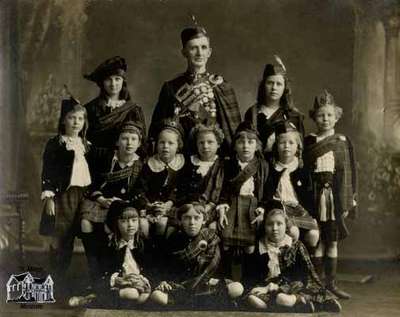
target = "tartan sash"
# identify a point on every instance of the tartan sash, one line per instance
(255, 167)
(118, 115)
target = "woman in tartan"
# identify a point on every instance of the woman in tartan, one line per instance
(108, 112)
(274, 105)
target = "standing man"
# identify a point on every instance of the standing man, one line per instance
(197, 95)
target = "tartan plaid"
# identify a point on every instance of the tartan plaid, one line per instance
(128, 111)
(65, 222)
(228, 110)
(344, 178)
(298, 277)
(300, 217)
(131, 172)
(240, 232)
(206, 260)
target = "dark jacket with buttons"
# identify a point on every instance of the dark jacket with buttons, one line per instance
(57, 165)
(301, 184)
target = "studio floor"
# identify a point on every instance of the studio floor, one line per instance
(380, 296)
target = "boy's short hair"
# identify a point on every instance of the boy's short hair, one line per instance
(203, 128)
(191, 33)
(300, 147)
(198, 207)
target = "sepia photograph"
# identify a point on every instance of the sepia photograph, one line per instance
(199, 158)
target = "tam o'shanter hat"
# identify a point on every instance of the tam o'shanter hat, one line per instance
(172, 124)
(324, 99)
(192, 32)
(285, 127)
(113, 66)
(276, 68)
(132, 126)
(246, 126)
(68, 102)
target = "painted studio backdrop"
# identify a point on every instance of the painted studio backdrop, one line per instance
(351, 48)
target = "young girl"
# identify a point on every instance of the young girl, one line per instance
(122, 262)
(191, 258)
(124, 259)
(115, 173)
(283, 273)
(330, 160)
(202, 176)
(65, 176)
(242, 193)
(274, 105)
(289, 183)
(113, 106)
(156, 188)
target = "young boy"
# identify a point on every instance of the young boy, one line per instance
(192, 255)
(330, 160)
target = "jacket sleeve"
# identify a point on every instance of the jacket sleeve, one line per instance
(141, 187)
(163, 109)
(49, 167)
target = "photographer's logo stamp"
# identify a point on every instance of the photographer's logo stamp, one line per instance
(25, 289)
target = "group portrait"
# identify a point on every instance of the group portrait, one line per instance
(201, 156)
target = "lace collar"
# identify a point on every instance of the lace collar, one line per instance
(202, 166)
(115, 159)
(292, 166)
(122, 243)
(197, 162)
(74, 144)
(264, 246)
(113, 104)
(156, 165)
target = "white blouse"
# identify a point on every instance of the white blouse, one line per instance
(247, 188)
(285, 191)
(80, 169)
(202, 166)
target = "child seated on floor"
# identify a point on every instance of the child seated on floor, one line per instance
(283, 274)
(191, 258)
(121, 262)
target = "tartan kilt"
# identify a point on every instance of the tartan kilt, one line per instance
(91, 210)
(66, 217)
(301, 218)
(240, 232)
(311, 292)
(204, 295)
(329, 231)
